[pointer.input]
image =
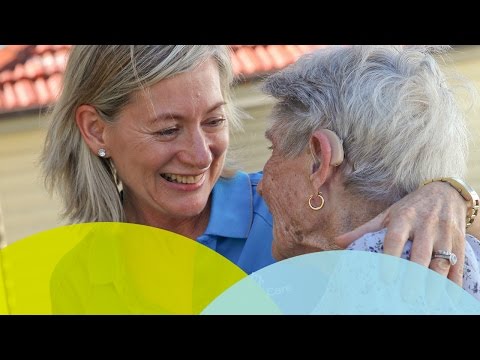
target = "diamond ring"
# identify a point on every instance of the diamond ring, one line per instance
(447, 255)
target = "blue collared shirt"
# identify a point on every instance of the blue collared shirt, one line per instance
(240, 225)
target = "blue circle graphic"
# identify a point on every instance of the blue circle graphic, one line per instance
(344, 282)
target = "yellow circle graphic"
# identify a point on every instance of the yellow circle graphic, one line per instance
(111, 268)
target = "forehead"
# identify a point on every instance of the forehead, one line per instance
(204, 76)
(191, 91)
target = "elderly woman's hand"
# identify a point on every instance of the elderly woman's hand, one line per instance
(433, 217)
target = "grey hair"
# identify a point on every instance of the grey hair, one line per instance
(399, 120)
(106, 76)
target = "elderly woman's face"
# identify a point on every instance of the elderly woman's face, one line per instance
(286, 187)
(169, 146)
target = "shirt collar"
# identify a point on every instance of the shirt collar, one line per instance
(231, 210)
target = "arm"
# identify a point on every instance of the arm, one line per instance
(433, 217)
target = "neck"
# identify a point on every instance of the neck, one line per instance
(344, 212)
(191, 227)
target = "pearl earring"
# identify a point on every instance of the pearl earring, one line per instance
(102, 153)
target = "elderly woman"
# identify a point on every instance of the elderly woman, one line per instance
(354, 130)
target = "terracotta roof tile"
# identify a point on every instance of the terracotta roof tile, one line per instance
(49, 64)
(247, 59)
(26, 95)
(42, 90)
(6, 76)
(33, 68)
(265, 58)
(9, 98)
(10, 53)
(31, 75)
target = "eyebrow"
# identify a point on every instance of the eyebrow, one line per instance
(173, 115)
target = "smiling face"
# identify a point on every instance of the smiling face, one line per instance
(285, 188)
(169, 145)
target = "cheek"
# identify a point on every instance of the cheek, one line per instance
(273, 191)
(272, 174)
(266, 183)
(124, 146)
(283, 188)
(217, 143)
(220, 143)
(142, 160)
(268, 168)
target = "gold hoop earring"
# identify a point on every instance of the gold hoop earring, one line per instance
(310, 201)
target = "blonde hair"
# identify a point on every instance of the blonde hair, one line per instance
(106, 76)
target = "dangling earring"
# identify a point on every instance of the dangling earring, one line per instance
(101, 152)
(318, 207)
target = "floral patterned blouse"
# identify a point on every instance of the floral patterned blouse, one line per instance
(373, 242)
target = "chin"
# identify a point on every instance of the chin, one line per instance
(192, 209)
(276, 254)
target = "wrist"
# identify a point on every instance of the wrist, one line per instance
(466, 191)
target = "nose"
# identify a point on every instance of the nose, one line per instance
(198, 153)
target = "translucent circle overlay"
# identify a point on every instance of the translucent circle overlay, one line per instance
(111, 268)
(344, 282)
(119, 268)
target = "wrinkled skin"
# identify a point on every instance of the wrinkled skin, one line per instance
(434, 217)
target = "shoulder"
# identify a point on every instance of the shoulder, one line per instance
(92, 260)
(72, 264)
(239, 195)
(471, 270)
(472, 240)
(240, 179)
(472, 247)
(251, 180)
(372, 242)
(69, 281)
(240, 182)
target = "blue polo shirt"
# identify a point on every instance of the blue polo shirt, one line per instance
(240, 225)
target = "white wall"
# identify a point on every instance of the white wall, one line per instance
(26, 206)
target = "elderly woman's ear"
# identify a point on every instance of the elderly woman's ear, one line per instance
(327, 151)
